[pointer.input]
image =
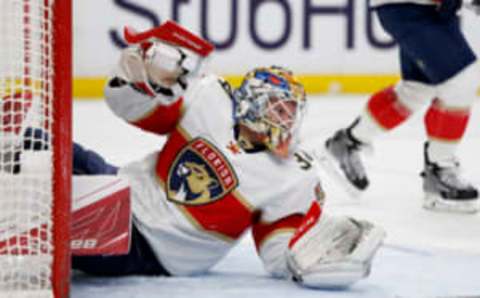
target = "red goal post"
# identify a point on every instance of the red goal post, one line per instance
(35, 147)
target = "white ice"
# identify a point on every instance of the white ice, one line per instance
(426, 254)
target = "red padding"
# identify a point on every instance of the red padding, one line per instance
(446, 124)
(386, 109)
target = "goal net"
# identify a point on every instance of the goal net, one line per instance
(35, 147)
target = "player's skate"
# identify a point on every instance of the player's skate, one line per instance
(445, 190)
(343, 161)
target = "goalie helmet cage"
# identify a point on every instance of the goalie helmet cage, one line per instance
(35, 147)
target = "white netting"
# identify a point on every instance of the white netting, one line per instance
(26, 249)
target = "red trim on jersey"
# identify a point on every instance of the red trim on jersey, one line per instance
(162, 119)
(227, 216)
(176, 141)
(262, 231)
(310, 219)
(385, 108)
(444, 123)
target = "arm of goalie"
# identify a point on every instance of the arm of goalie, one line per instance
(332, 252)
(101, 215)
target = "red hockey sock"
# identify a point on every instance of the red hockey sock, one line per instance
(386, 109)
(446, 124)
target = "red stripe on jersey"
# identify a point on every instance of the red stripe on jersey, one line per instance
(310, 219)
(176, 141)
(162, 119)
(385, 108)
(446, 124)
(262, 231)
(227, 216)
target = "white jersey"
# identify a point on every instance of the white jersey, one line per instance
(374, 3)
(194, 199)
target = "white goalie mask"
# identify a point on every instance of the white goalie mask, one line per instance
(271, 102)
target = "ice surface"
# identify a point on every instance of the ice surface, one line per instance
(426, 254)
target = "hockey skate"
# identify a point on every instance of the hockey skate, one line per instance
(445, 190)
(342, 161)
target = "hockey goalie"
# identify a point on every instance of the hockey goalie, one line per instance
(231, 163)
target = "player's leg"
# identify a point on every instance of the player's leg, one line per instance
(446, 122)
(390, 107)
(440, 49)
(139, 261)
(385, 110)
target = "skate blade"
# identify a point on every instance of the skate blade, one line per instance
(434, 202)
(328, 163)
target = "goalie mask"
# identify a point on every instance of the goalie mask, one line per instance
(270, 103)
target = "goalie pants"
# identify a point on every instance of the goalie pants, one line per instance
(140, 260)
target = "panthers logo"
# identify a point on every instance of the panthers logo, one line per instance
(196, 184)
(200, 175)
